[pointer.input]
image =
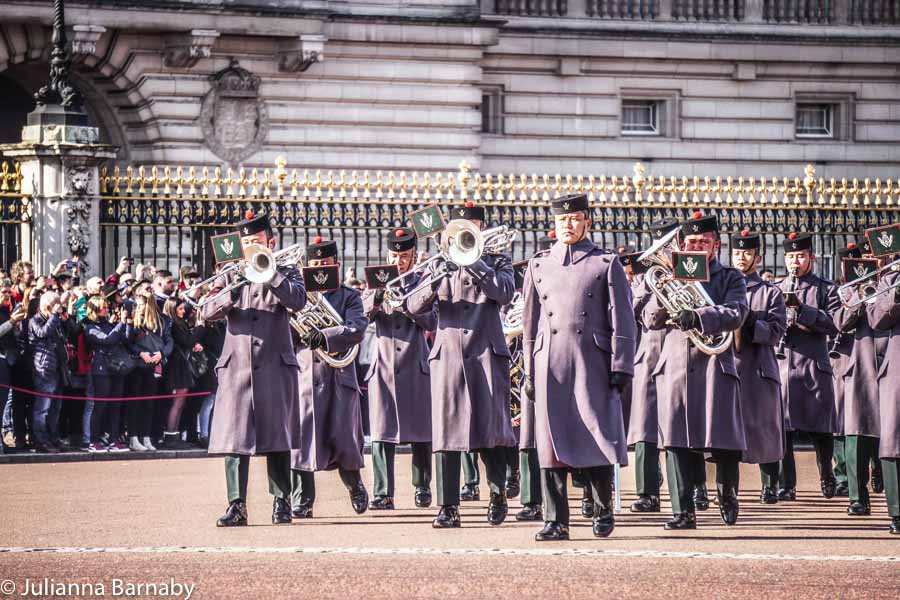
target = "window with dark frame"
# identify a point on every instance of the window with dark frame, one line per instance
(815, 120)
(641, 117)
(491, 111)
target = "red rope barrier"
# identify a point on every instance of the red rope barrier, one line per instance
(62, 397)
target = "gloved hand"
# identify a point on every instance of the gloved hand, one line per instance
(528, 389)
(792, 300)
(379, 296)
(688, 319)
(749, 327)
(619, 380)
(443, 268)
(236, 293)
(314, 340)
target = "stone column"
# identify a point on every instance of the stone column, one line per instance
(60, 169)
(753, 11)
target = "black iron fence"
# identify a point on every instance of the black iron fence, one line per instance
(13, 212)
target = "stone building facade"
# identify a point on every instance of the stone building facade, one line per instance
(689, 87)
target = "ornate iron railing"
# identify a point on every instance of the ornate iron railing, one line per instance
(14, 210)
(165, 214)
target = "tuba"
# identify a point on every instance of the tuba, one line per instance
(318, 314)
(676, 296)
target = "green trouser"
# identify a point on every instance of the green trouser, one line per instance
(237, 475)
(470, 468)
(682, 473)
(824, 446)
(303, 484)
(889, 469)
(840, 462)
(447, 465)
(768, 473)
(554, 482)
(530, 469)
(646, 468)
(383, 466)
(859, 450)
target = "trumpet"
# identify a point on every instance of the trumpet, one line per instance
(864, 290)
(676, 296)
(318, 314)
(461, 243)
(259, 266)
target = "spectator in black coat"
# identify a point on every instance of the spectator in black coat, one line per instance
(178, 378)
(152, 343)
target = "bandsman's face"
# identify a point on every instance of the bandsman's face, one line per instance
(571, 227)
(702, 242)
(800, 262)
(322, 262)
(403, 260)
(261, 238)
(629, 272)
(745, 261)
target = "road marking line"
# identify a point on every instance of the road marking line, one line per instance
(575, 552)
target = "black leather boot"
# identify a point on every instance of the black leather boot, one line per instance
(552, 532)
(829, 487)
(303, 511)
(530, 512)
(701, 498)
(281, 511)
(685, 520)
(859, 509)
(768, 496)
(497, 509)
(512, 485)
(587, 503)
(787, 495)
(645, 504)
(235, 515)
(447, 517)
(842, 490)
(729, 509)
(895, 526)
(423, 497)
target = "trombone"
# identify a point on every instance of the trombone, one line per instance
(864, 290)
(461, 243)
(259, 266)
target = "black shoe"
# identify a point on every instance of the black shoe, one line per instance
(859, 509)
(552, 532)
(304, 511)
(685, 520)
(645, 504)
(768, 496)
(497, 509)
(235, 516)
(587, 504)
(828, 487)
(423, 497)
(359, 499)
(895, 526)
(787, 495)
(729, 509)
(842, 490)
(512, 486)
(877, 484)
(469, 493)
(603, 523)
(46, 448)
(381, 503)
(530, 512)
(701, 498)
(447, 517)
(281, 511)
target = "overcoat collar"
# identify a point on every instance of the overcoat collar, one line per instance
(566, 254)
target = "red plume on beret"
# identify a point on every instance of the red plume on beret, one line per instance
(317, 239)
(248, 214)
(793, 235)
(621, 249)
(470, 204)
(851, 246)
(745, 233)
(698, 215)
(552, 234)
(398, 233)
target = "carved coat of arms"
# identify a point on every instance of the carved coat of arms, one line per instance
(233, 117)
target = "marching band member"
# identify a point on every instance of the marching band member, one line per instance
(331, 432)
(643, 424)
(398, 380)
(698, 395)
(469, 373)
(757, 367)
(256, 409)
(807, 387)
(579, 341)
(884, 316)
(529, 466)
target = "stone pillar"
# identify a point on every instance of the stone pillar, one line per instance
(753, 11)
(60, 169)
(665, 10)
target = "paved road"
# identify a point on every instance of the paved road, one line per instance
(153, 521)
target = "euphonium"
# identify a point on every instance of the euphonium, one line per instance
(318, 314)
(676, 296)
(512, 331)
(512, 320)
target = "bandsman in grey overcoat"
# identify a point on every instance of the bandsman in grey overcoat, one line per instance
(859, 380)
(699, 400)
(643, 425)
(839, 350)
(399, 382)
(807, 386)
(579, 341)
(884, 316)
(256, 410)
(757, 367)
(331, 432)
(469, 365)
(529, 467)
